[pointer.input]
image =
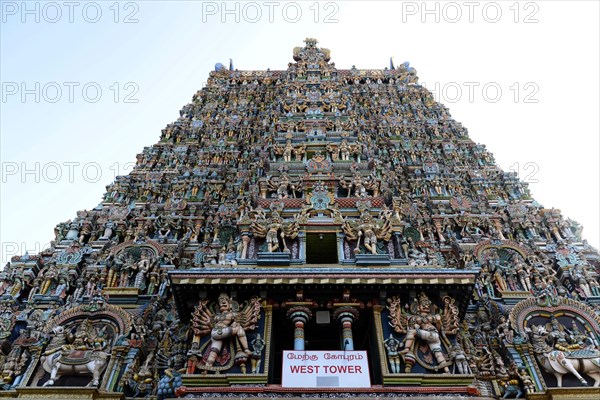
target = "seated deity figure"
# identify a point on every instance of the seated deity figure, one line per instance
(559, 334)
(345, 150)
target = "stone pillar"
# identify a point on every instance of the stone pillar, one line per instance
(346, 316)
(340, 245)
(117, 360)
(302, 246)
(129, 359)
(262, 185)
(299, 315)
(347, 341)
(245, 243)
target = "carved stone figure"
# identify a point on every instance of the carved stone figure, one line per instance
(258, 346)
(81, 353)
(227, 323)
(368, 230)
(392, 346)
(425, 324)
(559, 363)
(275, 229)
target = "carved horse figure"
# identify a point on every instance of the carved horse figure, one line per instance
(76, 363)
(559, 363)
(65, 360)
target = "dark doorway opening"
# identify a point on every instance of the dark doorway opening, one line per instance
(323, 336)
(321, 248)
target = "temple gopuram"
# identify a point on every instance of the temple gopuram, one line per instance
(308, 233)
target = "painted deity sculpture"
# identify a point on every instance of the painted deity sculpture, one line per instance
(228, 324)
(425, 325)
(368, 230)
(275, 230)
(81, 353)
(559, 362)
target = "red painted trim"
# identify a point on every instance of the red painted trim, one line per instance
(277, 388)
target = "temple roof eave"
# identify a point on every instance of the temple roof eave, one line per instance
(345, 276)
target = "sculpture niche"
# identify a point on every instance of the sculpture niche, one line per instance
(559, 362)
(275, 230)
(81, 353)
(368, 230)
(227, 328)
(426, 330)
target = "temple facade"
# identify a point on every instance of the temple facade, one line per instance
(309, 232)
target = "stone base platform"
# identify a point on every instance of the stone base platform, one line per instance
(273, 259)
(60, 393)
(375, 260)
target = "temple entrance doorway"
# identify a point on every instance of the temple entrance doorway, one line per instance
(321, 248)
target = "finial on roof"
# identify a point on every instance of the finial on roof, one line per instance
(311, 42)
(311, 52)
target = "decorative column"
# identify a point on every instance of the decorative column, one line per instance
(245, 242)
(299, 312)
(302, 247)
(346, 315)
(299, 315)
(401, 250)
(346, 312)
(129, 358)
(340, 245)
(117, 360)
(26, 378)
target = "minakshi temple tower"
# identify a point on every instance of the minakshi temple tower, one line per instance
(309, 232)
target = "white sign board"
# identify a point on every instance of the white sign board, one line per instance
(316, 369)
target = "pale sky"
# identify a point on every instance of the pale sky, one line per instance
(85, 88)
